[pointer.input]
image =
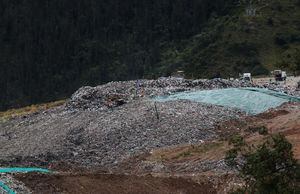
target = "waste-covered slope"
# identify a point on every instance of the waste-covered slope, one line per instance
(105, 132)
(92, 133)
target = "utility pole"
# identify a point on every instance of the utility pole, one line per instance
(156, 111)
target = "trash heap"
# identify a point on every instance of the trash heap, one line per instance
(104, 126)
(114, 94)
(293, 91)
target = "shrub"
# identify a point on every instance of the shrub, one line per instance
(270, 168)
(231, 156)
(262, 130)
(259, 70)
(282, 39)
(237, 141)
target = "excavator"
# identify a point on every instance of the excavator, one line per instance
(279, 75)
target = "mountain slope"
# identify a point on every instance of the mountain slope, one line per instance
(239, 42)
(49, 49)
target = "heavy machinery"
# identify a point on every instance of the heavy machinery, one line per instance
(247, 77)
(279, 75)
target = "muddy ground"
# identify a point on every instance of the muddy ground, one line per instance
(111, 184)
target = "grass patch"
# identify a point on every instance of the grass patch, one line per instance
(199, 150)
(262, 130)
(6, 115)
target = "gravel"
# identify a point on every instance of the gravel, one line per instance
(279, 87)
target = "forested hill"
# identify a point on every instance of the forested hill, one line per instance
(50, 48)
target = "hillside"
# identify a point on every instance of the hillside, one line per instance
(254, 42)
(48, 50)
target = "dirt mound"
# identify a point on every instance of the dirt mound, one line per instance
(112, 184)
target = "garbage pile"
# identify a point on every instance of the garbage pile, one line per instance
(293, 91)
(114, 94)
(97, 138)
(107, 124)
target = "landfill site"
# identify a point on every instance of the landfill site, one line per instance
(144, 136)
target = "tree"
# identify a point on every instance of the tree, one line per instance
(267, 168)
(49, 49)
(297, 61)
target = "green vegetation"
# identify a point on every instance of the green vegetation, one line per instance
(199, 149)
(267, 168)
(262, 130)
(49, 49)
(5, 115)
(237, 142)
(239, 42)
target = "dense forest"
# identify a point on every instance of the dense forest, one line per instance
(50, 48)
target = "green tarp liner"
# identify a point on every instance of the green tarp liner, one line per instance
(23, 170)
(250, 100)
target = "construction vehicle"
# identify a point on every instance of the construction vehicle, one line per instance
(247, 77)
(279, 75)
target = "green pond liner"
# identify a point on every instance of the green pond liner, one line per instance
(6, 188)
(250, 100)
